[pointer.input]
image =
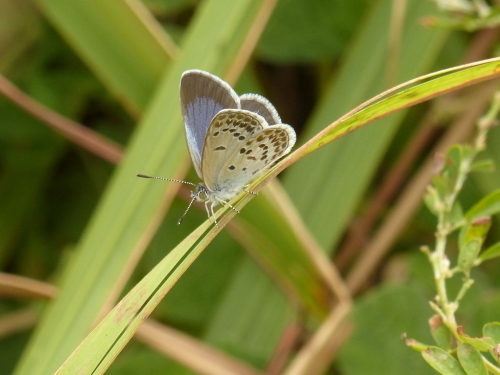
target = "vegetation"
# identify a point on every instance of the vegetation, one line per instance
(327, 267)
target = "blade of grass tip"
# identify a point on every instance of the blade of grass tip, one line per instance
(367, 112)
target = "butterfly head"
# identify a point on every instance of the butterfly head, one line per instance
(200, 194)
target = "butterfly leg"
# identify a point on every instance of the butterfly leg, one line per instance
(223, 202)
(208, 211)
(213, 213)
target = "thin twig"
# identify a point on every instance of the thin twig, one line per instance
(172, 343)
(317, 353)
(79, 134)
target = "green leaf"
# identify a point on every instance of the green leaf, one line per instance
(97, 30)
(492, 330)
(471, 240)
(432, 200)
(440, 332)
(486, 166)
(446, 180)
(488, 206)
(491, 252)
(471, 360)
(483, 344)
(442, 362)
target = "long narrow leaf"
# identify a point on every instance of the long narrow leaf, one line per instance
(125, 48)
(104, 343)
(131, 208)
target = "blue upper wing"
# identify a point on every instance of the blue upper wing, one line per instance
(203, 95)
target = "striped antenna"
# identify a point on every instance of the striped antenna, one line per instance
(187, 209)
(182, 182)
(166, 179)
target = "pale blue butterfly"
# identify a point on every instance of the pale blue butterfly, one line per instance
(231, 139)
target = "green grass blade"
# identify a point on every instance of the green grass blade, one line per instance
(336, 179)
(469, 75)
(327, 185)
(96, 31)
(488, 69)
(117, 39)
(266, 229)
(99, 349)
(130, 209)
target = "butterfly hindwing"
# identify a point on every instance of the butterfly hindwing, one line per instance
(229, 130)
(238, 146)
(260, 105)
(262, 150)
(203, 95)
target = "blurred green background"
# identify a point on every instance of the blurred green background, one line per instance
(315, 61)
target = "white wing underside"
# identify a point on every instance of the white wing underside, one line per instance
(239, 144)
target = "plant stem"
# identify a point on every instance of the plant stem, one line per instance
(438, 258)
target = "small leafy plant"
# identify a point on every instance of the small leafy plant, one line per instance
(472, 226)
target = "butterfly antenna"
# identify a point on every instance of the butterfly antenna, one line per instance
(185, 212)
(166, 179)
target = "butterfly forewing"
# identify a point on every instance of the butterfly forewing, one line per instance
(202, 96)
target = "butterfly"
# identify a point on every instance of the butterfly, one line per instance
(231, 139)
